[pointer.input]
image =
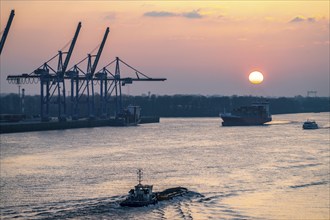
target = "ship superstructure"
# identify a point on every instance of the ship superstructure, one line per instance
(256, 114)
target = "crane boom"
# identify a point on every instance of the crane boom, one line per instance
(68, 56)
(5, 33)
(100, 51)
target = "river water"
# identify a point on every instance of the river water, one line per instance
(276, 171)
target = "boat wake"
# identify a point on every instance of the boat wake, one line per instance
(282, 122)
(105, 208)
(310, 184)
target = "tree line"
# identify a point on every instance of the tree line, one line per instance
(173, 106)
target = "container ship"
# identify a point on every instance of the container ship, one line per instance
(255, 114)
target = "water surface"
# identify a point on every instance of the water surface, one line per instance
(277, 171)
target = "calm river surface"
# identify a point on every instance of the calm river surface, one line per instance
(278, 171)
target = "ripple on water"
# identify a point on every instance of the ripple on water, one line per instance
(242, 172)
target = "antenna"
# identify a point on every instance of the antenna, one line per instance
(139, 173)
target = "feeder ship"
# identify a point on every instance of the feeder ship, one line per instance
(255, 114)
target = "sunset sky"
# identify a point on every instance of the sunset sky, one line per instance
(201, 47)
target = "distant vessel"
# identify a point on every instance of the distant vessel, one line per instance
(255, 114)
(310, 124)
(142, 195)
(130, 116)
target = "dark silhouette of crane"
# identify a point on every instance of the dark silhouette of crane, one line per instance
(111, 85)
(51, 81)
(6, 31)
(82, 84)
(56, 80)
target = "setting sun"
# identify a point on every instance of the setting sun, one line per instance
(256, 77)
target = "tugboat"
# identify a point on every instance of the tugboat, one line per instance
(141, 195)
(310, 124)
(255, 114)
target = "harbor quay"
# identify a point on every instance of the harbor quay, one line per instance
(27, 126)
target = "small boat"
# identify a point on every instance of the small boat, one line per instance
(310, 124)
(255, 114)
(141, 195)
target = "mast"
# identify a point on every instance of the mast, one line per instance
(140, 173)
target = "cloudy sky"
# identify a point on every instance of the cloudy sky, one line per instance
(201, 47)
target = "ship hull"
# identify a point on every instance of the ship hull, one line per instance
(310, 125)
(244, 121)
(129, 203)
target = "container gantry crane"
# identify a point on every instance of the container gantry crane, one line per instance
(81, 83)
(6, 31)
(51, 80)
(111, 85)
